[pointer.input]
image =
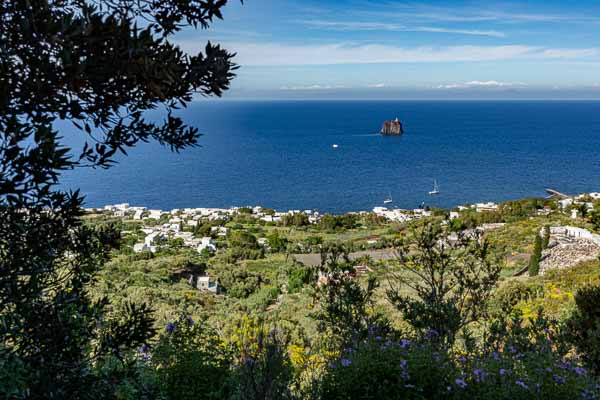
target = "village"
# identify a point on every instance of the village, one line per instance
(159, 229)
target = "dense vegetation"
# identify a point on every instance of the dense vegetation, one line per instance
(434, 311)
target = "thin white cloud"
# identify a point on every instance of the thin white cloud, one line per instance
(481, 84)
(420, 12)
(471, 32)
(376, 85)
(275, 54)
(313, 87)
(380, 26)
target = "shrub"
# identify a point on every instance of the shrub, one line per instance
(451, 281)
(190, 362)
(263, 369)
(298, 278)
(584, 326)
(379, 369)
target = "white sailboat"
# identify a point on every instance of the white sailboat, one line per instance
(388, 199)
(436, 189)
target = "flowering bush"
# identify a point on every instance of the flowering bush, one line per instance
(380, 369)
(385, 369)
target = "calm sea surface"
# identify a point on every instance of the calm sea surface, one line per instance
(280, 155)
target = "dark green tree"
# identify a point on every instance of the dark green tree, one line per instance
(536, 256)
(99, 64)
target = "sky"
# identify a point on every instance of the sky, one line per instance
(369, 49)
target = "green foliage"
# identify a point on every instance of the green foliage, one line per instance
(92, 64)
(534, 261)
(594, 218)
(582, 210)
(346, 311)
(243, 239)
(383, 369)
(297, 219)
(263, 367)
(298, 278)
(584, 326)
(277, 243)
(190, 361)
(507, 296)
(389, 369)
(449, 280)
(336, 223)
(546, 237)
(240, 283)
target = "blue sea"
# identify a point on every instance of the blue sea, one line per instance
(280, 154)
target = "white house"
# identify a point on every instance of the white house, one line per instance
(454, 215)
(564, 203)
(481, 207)
(207, 243)
(574, 213)
(221, 230)
(152, 237)
(208, 284)
(139, 247)
(155, 214)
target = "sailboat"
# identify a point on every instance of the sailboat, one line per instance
(388, 199)
(436, 189)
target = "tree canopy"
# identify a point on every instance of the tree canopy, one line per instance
(101, 65)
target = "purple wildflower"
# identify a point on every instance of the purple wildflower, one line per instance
(588, 395)
(345, 362)
(378, 338)
(460, 383)
(496, 356)
(462, 359)
(404, 343)
(519, 382)
(579, 371)
(249, 361)
(404, 366)
(504, 371)
(564, 365)
(479, 375)
(520, 356)
(372, 330)
(190, 321)
(559, 379)
(171, 327)
(431, 333)
(512, 349)
(144, 352)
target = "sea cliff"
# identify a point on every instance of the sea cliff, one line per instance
(392, 128)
